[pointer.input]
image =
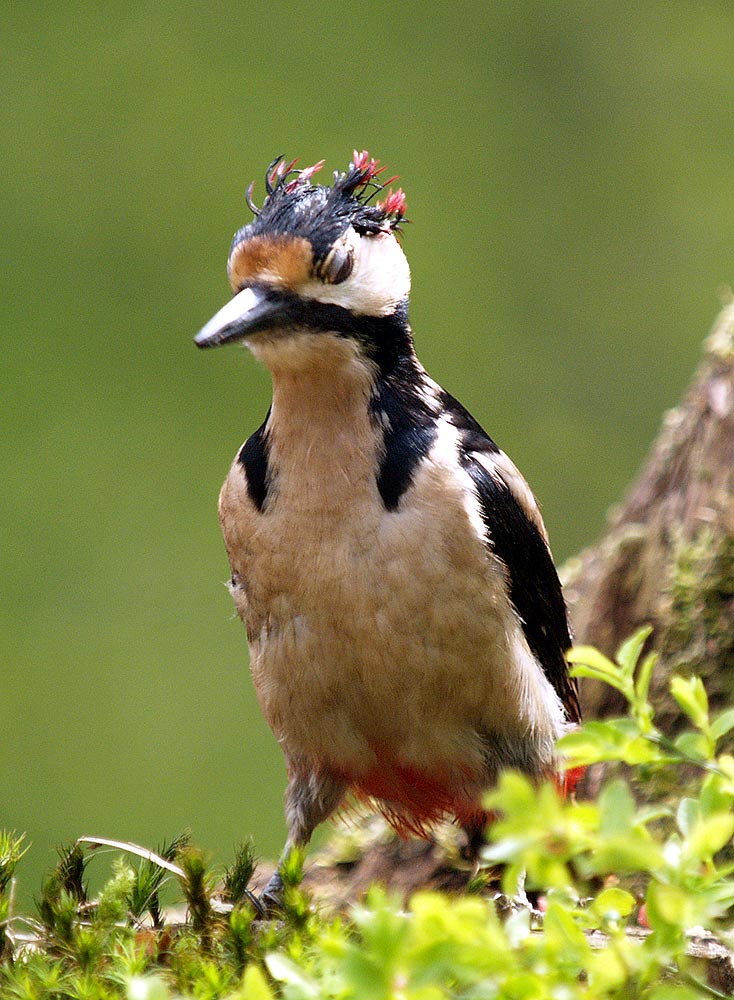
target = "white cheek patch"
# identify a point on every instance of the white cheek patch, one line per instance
(378, 283)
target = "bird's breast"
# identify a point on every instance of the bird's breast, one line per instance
(374, 628)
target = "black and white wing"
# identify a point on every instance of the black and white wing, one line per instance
(516, 535)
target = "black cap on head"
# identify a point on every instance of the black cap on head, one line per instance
(320, 214)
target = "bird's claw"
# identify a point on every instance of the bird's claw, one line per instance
(519, 902)
(270, 902)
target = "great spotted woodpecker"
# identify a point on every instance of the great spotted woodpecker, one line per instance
(405, 621)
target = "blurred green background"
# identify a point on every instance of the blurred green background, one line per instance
(569, 174)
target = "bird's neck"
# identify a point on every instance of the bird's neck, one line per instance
(315, 380)
(323, 443)
(325, 435)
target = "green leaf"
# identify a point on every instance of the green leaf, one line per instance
(565, 936)
(688, 814)
(624, 855)
(586, 661)
(505, 850)
(612, 739)
(693, 745)
(255, 985)
(642, 751)
(690, 694)
(585, 746)
(515, 793)
(616, 808)
(722, 724)
(629, 652)
(716, 795)
(285, 970)
(710, 835)
(668, 904)
(613, 900)
(644, 676)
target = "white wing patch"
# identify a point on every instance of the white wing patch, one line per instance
(504, 471)
(445, 453)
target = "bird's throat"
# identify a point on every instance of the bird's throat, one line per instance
(323, 443)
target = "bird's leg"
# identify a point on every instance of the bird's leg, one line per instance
(310, 798)
(475, 830)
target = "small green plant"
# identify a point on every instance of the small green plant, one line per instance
(597, 871)
(12, 849)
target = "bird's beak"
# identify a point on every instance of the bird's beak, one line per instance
(250, 311)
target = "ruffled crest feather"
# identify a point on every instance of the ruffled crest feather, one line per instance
(359, 182)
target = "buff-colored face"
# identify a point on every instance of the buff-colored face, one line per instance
(367, 275)
(279, 286)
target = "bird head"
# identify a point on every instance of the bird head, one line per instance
(316, 259)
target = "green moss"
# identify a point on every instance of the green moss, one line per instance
(696, 635)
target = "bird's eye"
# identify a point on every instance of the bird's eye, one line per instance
(337, 265)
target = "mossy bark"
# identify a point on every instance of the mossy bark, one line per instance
(668, 557)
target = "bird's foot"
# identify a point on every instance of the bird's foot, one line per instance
(270, 902)
(518, 903)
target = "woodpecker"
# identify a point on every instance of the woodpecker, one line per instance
(406, 625)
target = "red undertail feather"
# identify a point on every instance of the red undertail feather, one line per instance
(413, 800)
(566, 781)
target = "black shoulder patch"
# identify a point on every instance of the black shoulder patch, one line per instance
(535, 589)
(408, 422)
(473, 435)
(253, 457)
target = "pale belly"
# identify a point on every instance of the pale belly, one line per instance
(386, 632)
